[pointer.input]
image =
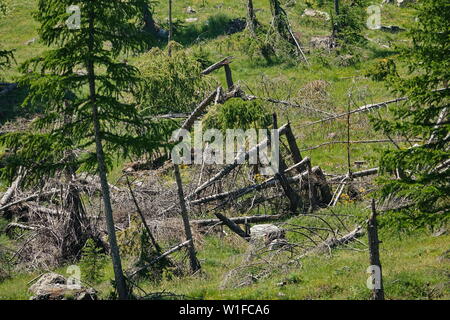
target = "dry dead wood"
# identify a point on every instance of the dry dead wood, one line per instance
(232, 225)
(199, 110)
(12, 189)
(374, 242)
(237, 220)
(217, 65)
(240, 158)
(358, 174)
(29, 198)
(165, 254)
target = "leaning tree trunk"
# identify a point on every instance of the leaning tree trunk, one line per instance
(252, 23)
(195, 265)
(281, 22)
(117, 263)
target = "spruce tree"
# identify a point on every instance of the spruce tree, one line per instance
(6, 56)
(84, 63)
(422, 169)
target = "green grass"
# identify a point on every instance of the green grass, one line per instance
(412, 263)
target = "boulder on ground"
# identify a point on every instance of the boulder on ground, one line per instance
(316, 13)
(267, 233)
(322, 42)
(53, 286)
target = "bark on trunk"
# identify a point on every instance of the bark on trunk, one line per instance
(195, 264)
(117, 263)
(377, 292)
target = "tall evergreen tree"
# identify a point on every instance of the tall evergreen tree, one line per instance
(5, 55)
(84, 63)
(423, 170)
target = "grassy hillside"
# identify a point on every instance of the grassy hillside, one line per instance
(415, 263)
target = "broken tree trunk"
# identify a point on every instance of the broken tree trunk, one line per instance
(323, 187)
(217, 65)
(232, 225)
(12, 189)
(241, 158)
(199, 110)
(296, 155)
(252, 23)
(372, 229)
(293, 197)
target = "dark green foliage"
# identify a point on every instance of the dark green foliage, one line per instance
(238, 114)
(6, 56)
(123, 131)
(424, 174)
(92, 263)
(350, 23)
(170, 84)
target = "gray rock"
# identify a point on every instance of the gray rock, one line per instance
(267, 233)
(190, 10)
(322, 42)
(53, 286)
(316, 13)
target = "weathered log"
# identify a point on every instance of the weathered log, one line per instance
(334, 242)
(224, 62)
(199, 110)
(358, 174)
(238, 220)
(11, 190)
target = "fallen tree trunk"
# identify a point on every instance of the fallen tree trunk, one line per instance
(165, 254)
(358, 174)
(233, 226)
(237, 220)
(10, 192)
(29, 198)
(217, 65)
(241, 158)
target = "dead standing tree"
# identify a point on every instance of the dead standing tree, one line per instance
(252, 23)
(375, 264)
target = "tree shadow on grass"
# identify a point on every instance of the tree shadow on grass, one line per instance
(216, 26)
